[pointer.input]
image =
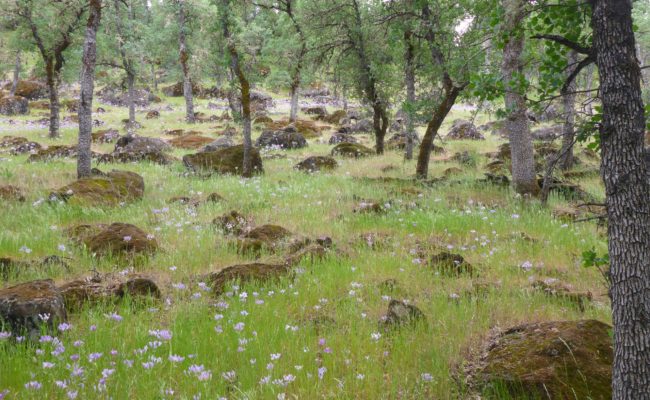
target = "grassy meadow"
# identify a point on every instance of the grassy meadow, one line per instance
(315, 333)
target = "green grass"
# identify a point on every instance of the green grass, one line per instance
(338, 300)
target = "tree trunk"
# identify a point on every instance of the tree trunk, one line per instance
(87, 82)
(245, 89)
(627, 191)
(409, 80)
(184, 58)
(524, 179)
(380, 126)
(130, 81)
(568, 129)
(14, 83)
(154, 77)
(451, 93)
(53, 89)
(293, 115)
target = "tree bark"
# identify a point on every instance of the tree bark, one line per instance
(14, 83)
(293, 114)
(409, 80)
(87, 82)
(627, 191)
(524, 179)
(451, 93)
(244, 85)
(296, 78)
(52, 80)
(568, 128)
(130, 82)
(184, 58)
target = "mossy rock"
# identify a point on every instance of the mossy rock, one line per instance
(105, 190)
(30, 90)
(14, 105)
(231, 222)
(268, 233)
(353, 150)
(120, 239)
(335, 117)
(53, 152)
(263, 120)
(225, 161)
(556, 360)
(22, 306)
(286, 140)
(316, 164)
(245, 273)
(450, 264)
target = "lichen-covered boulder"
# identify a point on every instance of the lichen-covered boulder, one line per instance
(225, 161)
(246, 273)
(190, 142)
(25, 308)
(285, 139)
(14, 105)
(120, 239)
(139, 148)
(340, 137)
(18, 145)
(336, 117)
(399, 314)
(398, 141)
(223, 142)
(107, 189)
(316, 164)
(11, 193)
(100, 290)
(52, 152)
(550, 360)
(464, 130)
(353, 150)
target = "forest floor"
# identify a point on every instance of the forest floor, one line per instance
(314, 333)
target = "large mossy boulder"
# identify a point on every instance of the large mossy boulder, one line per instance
(31, 90)
(24, 307)
(225, 161)
(53, 152)
(285, 139)
(139, 148)
(246, 273)
(108, 189)
(121, 239)
(550, 360)
(353, 150)
(14, 105)
(100, 290)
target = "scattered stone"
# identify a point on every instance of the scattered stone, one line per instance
(119, 239)
(14, 105)
(400, 314)
(110, 189)
(353, 150)
(312, 253)
(225, 161)
(554, 288)
(139, 148)
(105, 136)
(116, 96)
(318, 111)
(550, 360)
(316, 164)
(232, 223)
(263, 120)
(450, 264)
(398, 141)
(362, 126)
(23, 307)
(11, 193)
(190, 142)
(369, 207)
(464, 158)
(100, 290)
(464, 130)
(153, 114)
(52, 152)
(285, 140)
(214, 198)
(342, 138)
(246, 273)
(547, 134)
(497, 180)
(336, 117)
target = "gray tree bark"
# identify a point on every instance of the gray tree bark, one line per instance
(14, 83)
(409, 80)
(627, 191)
(184, 58)
(524, 179)
(53, 93)
(568, 128)
(87, 82)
